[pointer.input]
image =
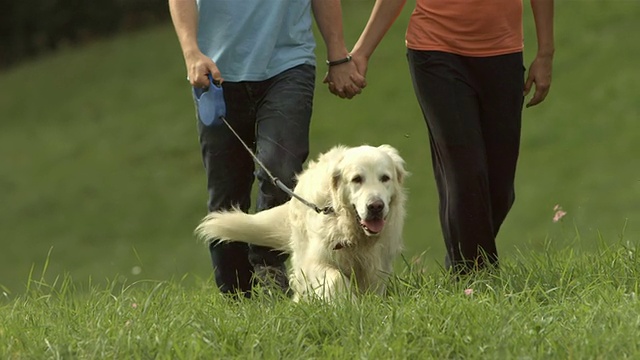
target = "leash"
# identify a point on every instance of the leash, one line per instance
(325, 210)
(211, 107)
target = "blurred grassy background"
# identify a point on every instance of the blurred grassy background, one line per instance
(100, 162)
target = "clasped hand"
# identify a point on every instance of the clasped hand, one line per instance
(346, 80)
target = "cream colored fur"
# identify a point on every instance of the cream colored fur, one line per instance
(331, 254)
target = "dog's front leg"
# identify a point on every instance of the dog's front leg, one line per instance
(327, 283)
(334, 285)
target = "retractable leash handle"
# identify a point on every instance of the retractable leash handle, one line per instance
(211, 105)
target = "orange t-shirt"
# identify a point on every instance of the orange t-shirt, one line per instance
(466, 27)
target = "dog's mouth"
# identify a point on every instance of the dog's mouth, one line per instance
(372, 224)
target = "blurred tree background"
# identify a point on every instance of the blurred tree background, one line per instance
(37, 27)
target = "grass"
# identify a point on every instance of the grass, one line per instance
(101, 184)
(551, 305)
(100, 162)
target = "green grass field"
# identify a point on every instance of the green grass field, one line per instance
(565, 305)
(100, 161)
(100, 168)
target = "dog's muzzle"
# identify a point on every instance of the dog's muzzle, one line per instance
(374, 221)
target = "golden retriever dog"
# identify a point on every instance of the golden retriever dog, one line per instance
(348, 250)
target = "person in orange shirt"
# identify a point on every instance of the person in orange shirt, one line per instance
(466, 63)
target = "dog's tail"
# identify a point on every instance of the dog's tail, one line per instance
(265, 228)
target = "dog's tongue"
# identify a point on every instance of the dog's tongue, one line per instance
(375, 225)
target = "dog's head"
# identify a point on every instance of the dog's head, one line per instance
(367, 180)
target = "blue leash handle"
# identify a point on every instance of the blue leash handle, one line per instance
(211, 105)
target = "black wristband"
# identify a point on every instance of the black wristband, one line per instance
(338, 62)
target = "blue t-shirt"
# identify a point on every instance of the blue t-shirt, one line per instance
(253, 40)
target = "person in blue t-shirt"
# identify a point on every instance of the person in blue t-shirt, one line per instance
(262, 53)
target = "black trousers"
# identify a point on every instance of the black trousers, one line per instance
(473, 110)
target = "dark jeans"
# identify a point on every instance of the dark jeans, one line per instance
(272, 117)
(473, 110)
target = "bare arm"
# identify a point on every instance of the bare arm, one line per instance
(541, 67)
(344, 79)
(384, 13)
(184, 15)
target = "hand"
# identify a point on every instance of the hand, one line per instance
(344, 80)
(198, 66)
(361, 62)
(540, 75)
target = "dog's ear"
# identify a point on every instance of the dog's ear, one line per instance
(334, 158)
(336, 177)
(398, 161)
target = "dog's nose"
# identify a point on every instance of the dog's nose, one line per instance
(375, 207)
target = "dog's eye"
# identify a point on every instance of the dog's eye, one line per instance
(357, 179)
(384, 178)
